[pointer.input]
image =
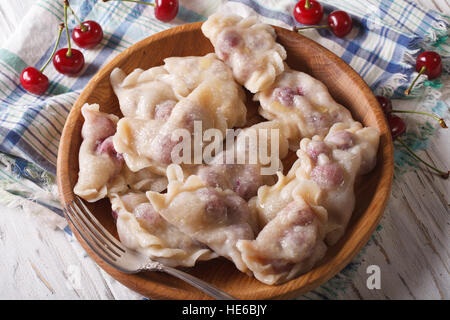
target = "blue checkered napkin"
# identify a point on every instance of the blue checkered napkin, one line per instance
(387, 34)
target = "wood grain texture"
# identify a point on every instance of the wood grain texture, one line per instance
(303, 54)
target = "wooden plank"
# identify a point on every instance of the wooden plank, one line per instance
(39, 262)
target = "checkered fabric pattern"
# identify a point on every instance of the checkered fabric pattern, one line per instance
(386, 34)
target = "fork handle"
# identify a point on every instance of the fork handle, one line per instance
(199, 284)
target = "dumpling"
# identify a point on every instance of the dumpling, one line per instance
(248, 47)
(151, 143)
(244, 167)
(140, 227)
(303, 104)
(143, 94)
(323, 175)
(330, 167)
(99, 162)
(153, 93)
(290, 244)
(187, 73)
(357, 140)
(309, 206)
(208, 97)
(211, 216)
(132, 140)
(222, 101)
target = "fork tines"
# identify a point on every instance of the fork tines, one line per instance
(93, 233)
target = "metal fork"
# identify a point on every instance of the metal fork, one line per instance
(114, 253)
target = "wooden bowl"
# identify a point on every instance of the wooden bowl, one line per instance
(372, 191)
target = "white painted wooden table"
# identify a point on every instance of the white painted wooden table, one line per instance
(412, 248)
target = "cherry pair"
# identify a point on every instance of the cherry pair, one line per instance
(398, 127)
(67, 61)
(310, 12)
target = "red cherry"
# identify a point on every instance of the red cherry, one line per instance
(427, 62)
(385, 104)
(432, 63)
(34, 81)
(166, 10)
(340, 23)
(87, 36)
(397, 125)
(308, 12)
(68, 65)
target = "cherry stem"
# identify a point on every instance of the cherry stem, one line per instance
(69, 50)
(440, 120)
(441, 173)
(135, 1)
(61, 27)
(297, 29)
(422, 70)
(307, 4)
(82, 26)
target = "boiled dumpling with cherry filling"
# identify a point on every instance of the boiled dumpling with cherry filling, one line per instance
(311, 205)
(187, 73)
(243, 167)
(332, 165)
(303, 104)
(153, 93)
(289, 245)
(324, 175)
(248, 47)
(99, 162)
(102, 169)
(143, 93)
(141, 227)
(150, 143)
(132, 139)
(357, 140)
(211, 216)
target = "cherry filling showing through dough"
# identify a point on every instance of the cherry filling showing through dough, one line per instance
(226, 42)
(328, 176)
(164, 110)
(342, 139)
(148, 216)
(223, 209)
(315, 148)
(286, 95)
(107, 147)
